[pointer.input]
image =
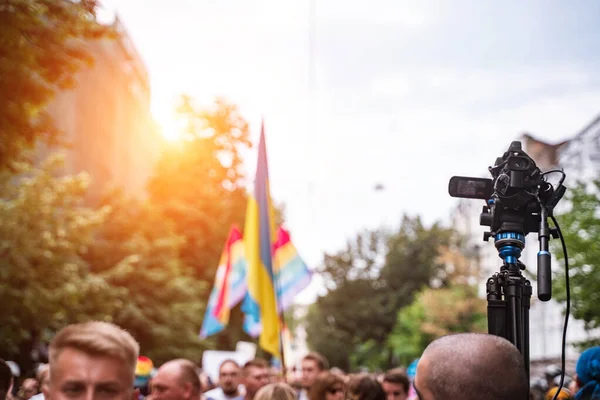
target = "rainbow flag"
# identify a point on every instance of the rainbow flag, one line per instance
(229, 287)
(291, 273)
(260, 303)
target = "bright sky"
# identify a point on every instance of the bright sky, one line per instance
(407, 93)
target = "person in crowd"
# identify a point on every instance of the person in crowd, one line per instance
(42, 375)
(6, 380)
(467, 366)
(294, 378)
(564, 394)
(327, 386)
(176, 380)
(538, 388)
(396, 384)
(550, 373)
(29, 388)
(16, 373)
(312, 365)
(256, 375)
(230, 376)
(340, 373)
(411, 371)
(276, 391)
(276, 375)
(92, 360)
(573, 386)
(295, 382)
(588, 375)
(364, 386)
(205, 380)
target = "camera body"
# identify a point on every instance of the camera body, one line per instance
(515, 195)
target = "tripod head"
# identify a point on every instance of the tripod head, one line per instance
(519, 200)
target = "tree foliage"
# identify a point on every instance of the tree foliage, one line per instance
(325, 337)
(435, 313)
(40, 51)
(367, 283)
(44, 280)
(159, 300)
(580, 227)
(199, 187)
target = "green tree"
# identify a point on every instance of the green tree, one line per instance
(342, 318)
(199, 186)
(430, 317)
(326, 338)
(44, 280)
(369, 281)
(160, 302)
(580, 226)
(40, 51)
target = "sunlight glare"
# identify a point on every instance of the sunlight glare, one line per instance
(171, 127)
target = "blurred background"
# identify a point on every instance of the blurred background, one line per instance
(128, 143)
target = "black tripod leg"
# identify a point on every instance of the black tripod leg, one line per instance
(496, 309)
(527, 292)
(515, 315)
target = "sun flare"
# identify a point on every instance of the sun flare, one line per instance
(170, 134)
(171, 127)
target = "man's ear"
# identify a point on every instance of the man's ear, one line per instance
(135, 395)
(46, 391)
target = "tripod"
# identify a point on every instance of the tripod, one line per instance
(509, 295)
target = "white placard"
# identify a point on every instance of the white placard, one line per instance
(212, 359)
(246, 348)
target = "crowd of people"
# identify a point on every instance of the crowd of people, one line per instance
(98, 360)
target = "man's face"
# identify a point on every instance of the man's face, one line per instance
(419, 383)
(310, 371)
(255, 378)
(166, 385)
(394, 391)
(30, 388)
(80, 376)
(335, 392)
(229, 378)
(44, 381)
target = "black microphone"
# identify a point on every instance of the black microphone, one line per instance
(544, 270)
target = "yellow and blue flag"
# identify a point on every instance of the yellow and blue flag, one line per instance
(260, 303)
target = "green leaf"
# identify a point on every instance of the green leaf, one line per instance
(580, 226)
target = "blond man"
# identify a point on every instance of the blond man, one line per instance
(93, 360)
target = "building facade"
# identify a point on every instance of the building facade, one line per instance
(106, 119)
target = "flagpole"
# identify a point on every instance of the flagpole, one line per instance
(277, 287)
(282, 323)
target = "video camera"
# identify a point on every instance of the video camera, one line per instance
(516, 195)
(519, 200)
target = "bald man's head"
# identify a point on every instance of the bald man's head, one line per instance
(176, 380)
(471, 366)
